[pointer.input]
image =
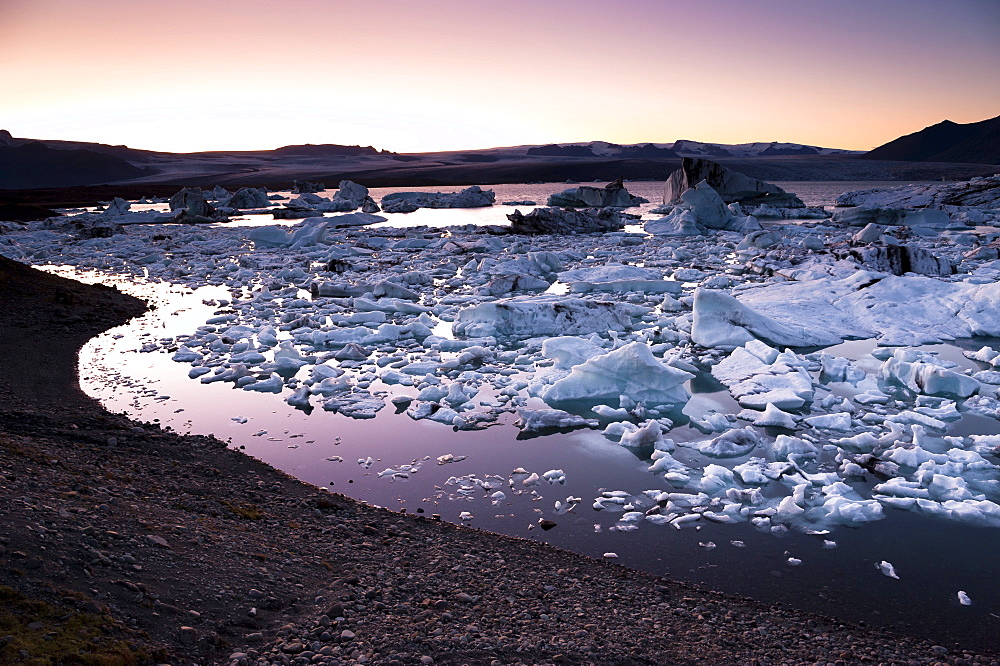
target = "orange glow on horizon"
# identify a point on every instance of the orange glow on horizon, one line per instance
(188, 75)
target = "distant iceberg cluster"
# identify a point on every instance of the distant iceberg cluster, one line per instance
(606, 327)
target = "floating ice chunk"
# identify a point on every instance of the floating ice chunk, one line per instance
(299, 398)
(844, 506)
(232, 373)
(565, 221)
(630, 370)
(710, 210)
(249, 197)
(985, 354)
(793, 561)
(839, 369)
(610, 556)
(887, 569)
(732, 444)
(545, 315)
(784, 383)
(618, 278)
(470, 197)
(673, 471)
(907, 310)
(745, 496)
(901, 259)
(712, 422)
(273, 384)
(921, 374)
(612, 413)
(432, 393)
(676, 223)
(686, 520)
(840, 421)
(916, 419)
(900, 487)
(860, 216)
(465, 515)
(648, 436)
(516, 476)
(659, 518)
(610, 502)
(357, 405)
(774, 417)
(751, 473)
(786, 448)
(329, 386)
(872, 397)
(562, 508)
(964, 599)
(719, 320)
(568, 351)
(249, 357)
(555, 476)
(787, 510)
(533, 420)
(186, 355)
(716, 478)
(270, 237)
(613, 195)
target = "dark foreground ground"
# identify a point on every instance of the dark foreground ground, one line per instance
(122, 543)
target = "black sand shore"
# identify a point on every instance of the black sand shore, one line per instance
(123, 543)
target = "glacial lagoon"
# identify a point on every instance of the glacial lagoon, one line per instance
(401, 463)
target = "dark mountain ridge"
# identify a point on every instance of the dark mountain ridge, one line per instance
(970, 143)
(28, 164)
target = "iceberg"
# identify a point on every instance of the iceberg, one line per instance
(470, 197)
(864, 215)
(732, 186)
(618, 278)
(756, 377)
(979, 192)
(531, 316)
(897, 310)
(613, 194)
(720, 320)
(703, 209)
(559, 221)
(921, 373)
(249, 197)
(631, 370)
(731, 444)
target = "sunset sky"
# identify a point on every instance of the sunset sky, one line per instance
(407, 75)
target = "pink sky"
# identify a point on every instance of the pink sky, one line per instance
(442, 74)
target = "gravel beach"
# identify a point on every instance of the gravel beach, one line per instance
(121, 542)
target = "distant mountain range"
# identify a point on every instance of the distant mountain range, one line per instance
(971, 143)
(682, 148)
(27, 164)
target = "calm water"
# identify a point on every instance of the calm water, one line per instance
(934, 558)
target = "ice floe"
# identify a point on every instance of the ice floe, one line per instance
(333, 314)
